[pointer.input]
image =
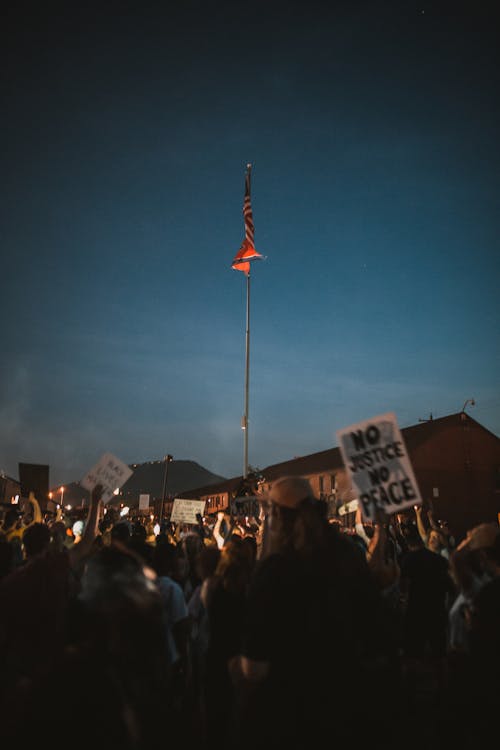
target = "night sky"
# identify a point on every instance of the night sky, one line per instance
(373, 133)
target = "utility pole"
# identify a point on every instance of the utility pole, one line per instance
(167, 459)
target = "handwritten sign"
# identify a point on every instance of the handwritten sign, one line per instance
(184, 511)
(377, 462)
(350, 507)
(108, 471)
(143, 502)
(245, 506)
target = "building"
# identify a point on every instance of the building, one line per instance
(455, 459)
(9, 489)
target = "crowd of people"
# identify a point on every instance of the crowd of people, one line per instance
(265, 632)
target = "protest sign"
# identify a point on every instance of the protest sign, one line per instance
(350, 507)
(377, 462)
(184, 511)
(110, 472)
(245, 506)
(143, 502)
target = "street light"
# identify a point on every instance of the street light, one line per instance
(167, 460)
(469, 401)
(62, 495)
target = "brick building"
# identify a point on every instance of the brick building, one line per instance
(455, 459)
(9, 488)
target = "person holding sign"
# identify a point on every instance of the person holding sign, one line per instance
(317, 632)
(381, 554)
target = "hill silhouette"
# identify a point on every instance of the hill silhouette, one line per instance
(147, 479)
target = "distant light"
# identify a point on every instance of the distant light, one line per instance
(117, 491)
(156, 529)
(124, 511)
(68, 507)
(16, 499)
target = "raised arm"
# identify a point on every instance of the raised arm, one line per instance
(82, 549)
(432, 521)
(360, 529)
(420, 524)
(37, 512)
(384, 569)
(217, 530)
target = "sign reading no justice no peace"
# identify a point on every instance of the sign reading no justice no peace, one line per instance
(377, 462)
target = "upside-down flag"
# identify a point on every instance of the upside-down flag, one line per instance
(247, 251)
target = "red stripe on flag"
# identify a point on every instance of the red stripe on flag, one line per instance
(247, 210)
(247, 251)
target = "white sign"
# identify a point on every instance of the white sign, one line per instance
(376, 460)
(110, 472)
(184, 511)
(348, 508)
(143, 502)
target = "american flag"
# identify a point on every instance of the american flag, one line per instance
(247, 251)
(247, 209)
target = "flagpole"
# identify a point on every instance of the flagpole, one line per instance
(247, 373)
(241, 262)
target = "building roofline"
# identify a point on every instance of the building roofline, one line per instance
(331, 458)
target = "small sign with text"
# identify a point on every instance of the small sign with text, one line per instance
(110, 472)
(185, 511)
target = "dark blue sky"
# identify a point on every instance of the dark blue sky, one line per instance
(373, 132)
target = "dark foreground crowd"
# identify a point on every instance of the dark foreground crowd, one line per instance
(283, 630)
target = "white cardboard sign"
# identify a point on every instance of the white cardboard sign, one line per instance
(350, 507)
(143, 502)
(110, 472)
(379, 467)
(184, 511)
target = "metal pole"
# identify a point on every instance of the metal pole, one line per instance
(167, 460)
(247, 370)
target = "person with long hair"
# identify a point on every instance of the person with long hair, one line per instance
(317, 633)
